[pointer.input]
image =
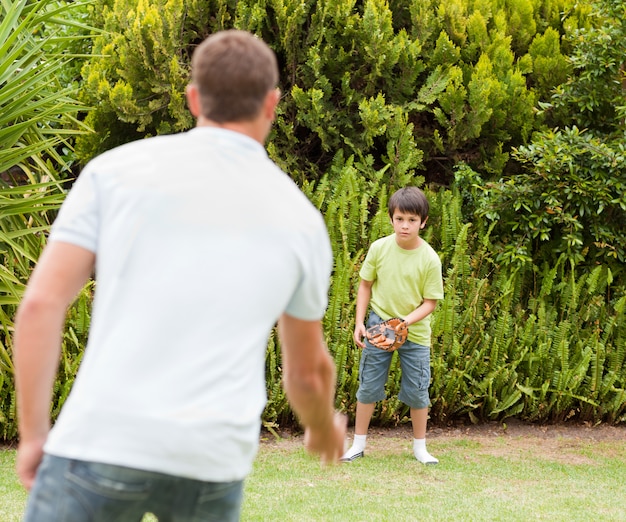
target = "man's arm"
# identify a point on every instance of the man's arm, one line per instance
(61, 272)
(309, 381)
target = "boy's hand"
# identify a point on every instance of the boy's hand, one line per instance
(359, 334)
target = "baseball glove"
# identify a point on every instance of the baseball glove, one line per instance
(388, 335)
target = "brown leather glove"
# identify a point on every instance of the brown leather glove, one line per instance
(388, 335)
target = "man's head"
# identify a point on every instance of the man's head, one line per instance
(409, 200)
(233, 72)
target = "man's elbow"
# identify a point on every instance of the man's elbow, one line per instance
(36, 309)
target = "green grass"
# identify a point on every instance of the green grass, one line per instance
(482, 479)
(12, 495)
(477, 479)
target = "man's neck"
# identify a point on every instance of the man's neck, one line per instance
(252, 129)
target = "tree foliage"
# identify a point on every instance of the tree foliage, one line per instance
(509, 113)
(39, 116)
(569, 195)
(414, 86)
(37, 110)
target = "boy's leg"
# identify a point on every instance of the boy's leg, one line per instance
(419, 418)
(373, 374)
(415, 364)
(364, 414)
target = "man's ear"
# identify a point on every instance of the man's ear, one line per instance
(271, 102)
(193, 100)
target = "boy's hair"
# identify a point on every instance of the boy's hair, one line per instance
(233, 70)
(410, 200)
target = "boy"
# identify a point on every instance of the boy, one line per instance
(400, 277)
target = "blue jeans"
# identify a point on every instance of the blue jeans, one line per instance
(69, 490)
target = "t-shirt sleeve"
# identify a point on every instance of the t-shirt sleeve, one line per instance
(433, 282)
(310, 299)
(368, 269)
(77, 222)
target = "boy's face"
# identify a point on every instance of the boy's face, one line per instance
(407, 228)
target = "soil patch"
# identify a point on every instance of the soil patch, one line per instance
(510, 439)
(512, 428)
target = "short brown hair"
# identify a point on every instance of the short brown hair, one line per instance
(410, 200)
(233, 70)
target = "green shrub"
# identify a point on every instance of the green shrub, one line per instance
(567, 196)
(537, 342)
(412, 86)
(38, 117)
(38, 109)
(379, 95)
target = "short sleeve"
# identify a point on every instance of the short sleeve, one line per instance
(368, 269)
(77, 222)
(433, 282)
(310, 298)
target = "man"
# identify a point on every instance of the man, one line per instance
(200, 244)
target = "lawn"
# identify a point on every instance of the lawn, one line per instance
(494, 473)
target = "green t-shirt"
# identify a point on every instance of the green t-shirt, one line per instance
(402, 279)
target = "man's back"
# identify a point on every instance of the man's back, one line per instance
(201, 243)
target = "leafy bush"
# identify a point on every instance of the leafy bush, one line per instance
(38, 116)
(136, 78)
(541, 343)
(568, 196)
(37, 111)
(412, 86)
(495, 98)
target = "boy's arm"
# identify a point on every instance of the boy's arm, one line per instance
(61, 272)
(309, 381)
(425, 309)
(362, 301)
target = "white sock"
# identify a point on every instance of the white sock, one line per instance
(358, 445)
(420, 452)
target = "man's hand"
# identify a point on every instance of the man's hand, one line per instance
(328, 444)
(29, 455)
